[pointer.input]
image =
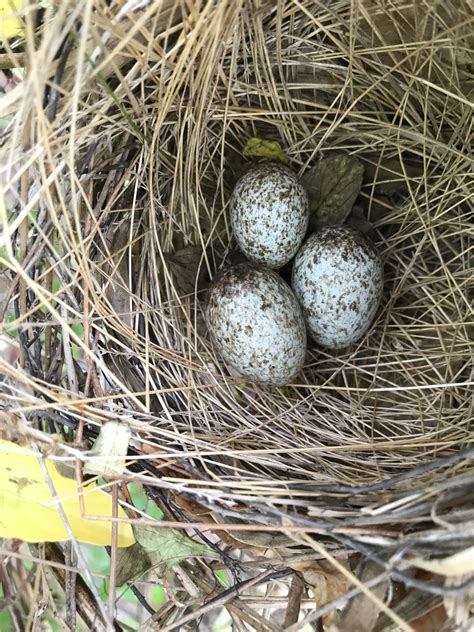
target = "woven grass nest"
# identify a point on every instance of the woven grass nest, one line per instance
(123, 144)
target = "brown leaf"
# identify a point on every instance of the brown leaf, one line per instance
(117, 273)
(359, 221)
(432, 621)
(333, 185)
(326, 584)
(271, 545)
(9, 349)
(389, 176)
(361, 613)
(186, 267)
(190, 506)
(132, 562)
(295, 594)
(460, 609)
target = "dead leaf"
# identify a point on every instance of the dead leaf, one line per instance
(390, 176)
(326, 584)
(9, 349)
(117, 272)
(295, 594)
(186, 268)
(112, 446)
(460, 609)
(432, 621)
(458, 564)
(132, 562)
(333, 185)
(191, 506)
(359, 221)
(361, 613)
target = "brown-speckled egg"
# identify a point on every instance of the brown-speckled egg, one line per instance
(338, 280)
(269, 214)
(256, 324)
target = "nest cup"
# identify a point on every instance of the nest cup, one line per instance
(123, 147)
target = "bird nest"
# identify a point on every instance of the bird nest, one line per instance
(124, 142)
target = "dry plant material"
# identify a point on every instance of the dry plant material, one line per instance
(120, 148)
(132, 563)
(116, 272)
(187, 269)
(325, 583)
(361, 613)
(460, 610)
(109, 449)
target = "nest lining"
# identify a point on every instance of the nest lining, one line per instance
(130, 139)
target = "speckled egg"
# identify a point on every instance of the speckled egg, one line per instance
(338, 280)
(256, 324)
(269, 214)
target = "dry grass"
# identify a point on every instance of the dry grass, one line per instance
(123, 149)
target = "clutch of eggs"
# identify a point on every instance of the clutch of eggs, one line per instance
(256, 324)
(269, 214)
(338, 280)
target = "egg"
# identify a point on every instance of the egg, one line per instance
(256, 324)
(269, 214)
(338, 280)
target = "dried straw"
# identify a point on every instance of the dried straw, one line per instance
(123, 146)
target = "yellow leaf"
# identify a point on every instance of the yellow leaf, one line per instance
(11, 23)
(264, 148)
(29, 511)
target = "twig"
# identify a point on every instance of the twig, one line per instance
(220, 600)
(113, 552)
(70, 587)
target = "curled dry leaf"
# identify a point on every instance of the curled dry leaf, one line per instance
(460, 610)
(132, 562)
(361, 613)
(333, 185)
(111, 446)
(386, 179)
(326, 584)
(116, 270)
(458, 564)
(187, 269)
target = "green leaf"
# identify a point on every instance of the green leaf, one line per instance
(169, 547)
(262, 148)
(6, 623)
(132, 562)
(333, 185)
